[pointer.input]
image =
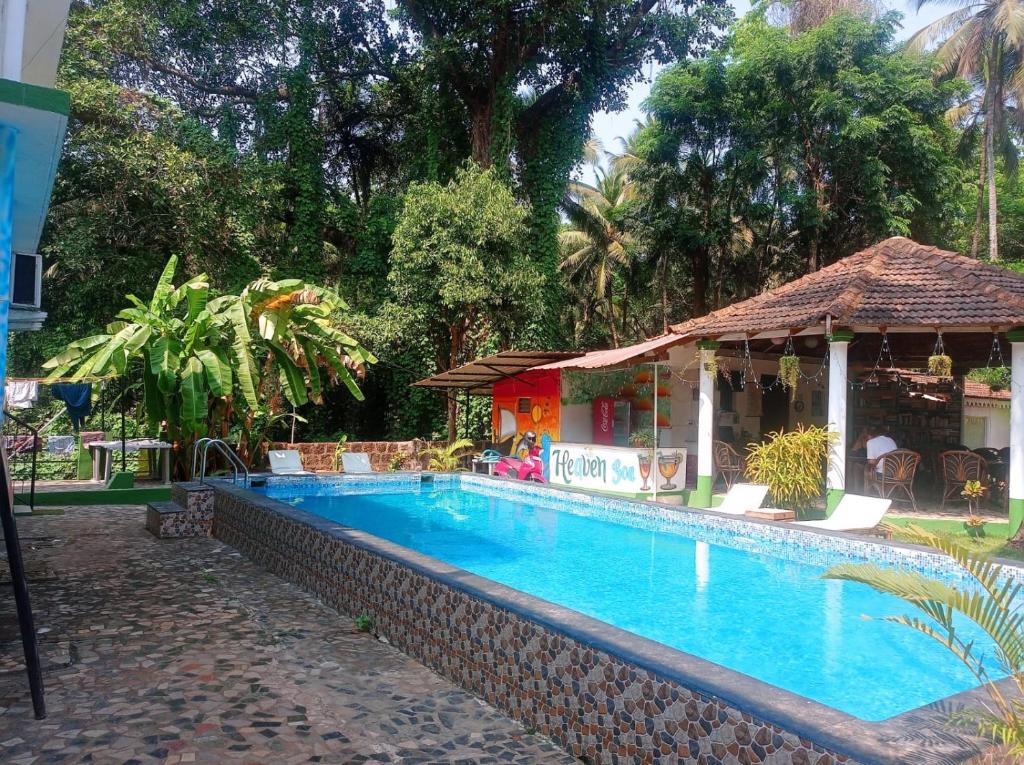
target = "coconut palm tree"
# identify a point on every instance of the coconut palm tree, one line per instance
(981, 41)
(595, 246)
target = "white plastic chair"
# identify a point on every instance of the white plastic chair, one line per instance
(853, 513)
(287, 462)
(356, 462)
(741, 498)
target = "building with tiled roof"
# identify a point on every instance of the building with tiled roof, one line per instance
(896, 284)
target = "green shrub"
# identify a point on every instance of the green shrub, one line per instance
(791, 465)
(447, 459)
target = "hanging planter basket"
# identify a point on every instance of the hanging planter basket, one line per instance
(940, 365)
(711, 366)
(789, 373)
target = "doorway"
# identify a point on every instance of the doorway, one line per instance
(774, 406)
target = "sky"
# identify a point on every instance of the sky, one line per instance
(609, 126)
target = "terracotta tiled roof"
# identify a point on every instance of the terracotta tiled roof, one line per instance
(895, 283)
(974, 389)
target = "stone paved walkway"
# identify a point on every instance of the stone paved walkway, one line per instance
(182, 651)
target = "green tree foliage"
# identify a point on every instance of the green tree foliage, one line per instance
(596, 247)
(788, 151)
(201, 355)
(459, 270)
(982, 43)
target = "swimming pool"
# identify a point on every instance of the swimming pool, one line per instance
(759, 609)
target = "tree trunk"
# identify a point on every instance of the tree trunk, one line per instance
(979, 212)
(990, 153)
(611, 322)
(481, 131)
(699, 267)
(664, 294)
(454, 347)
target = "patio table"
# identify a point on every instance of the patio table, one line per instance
(102, 454)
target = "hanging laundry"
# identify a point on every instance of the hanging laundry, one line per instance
(60, 444)
(21, 394)
(77, 397)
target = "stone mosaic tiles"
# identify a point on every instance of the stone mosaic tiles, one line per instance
(169, 520)
(597, 705)
(180, 651)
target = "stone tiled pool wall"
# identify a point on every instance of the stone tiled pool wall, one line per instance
(606, 695)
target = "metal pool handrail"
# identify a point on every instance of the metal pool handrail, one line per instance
(237, 466)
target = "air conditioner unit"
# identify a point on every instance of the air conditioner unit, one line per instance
(26, 280)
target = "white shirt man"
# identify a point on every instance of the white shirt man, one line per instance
(877, 447)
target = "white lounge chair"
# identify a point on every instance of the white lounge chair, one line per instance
(356, 462)
(287, 462)
(741, 498)
(853, 513)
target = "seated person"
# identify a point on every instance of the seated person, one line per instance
(877, 445)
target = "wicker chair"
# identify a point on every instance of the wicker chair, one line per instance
(959, 467)
(728, 463)
(899, 468)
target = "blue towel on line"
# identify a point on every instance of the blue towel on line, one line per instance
(78, 399)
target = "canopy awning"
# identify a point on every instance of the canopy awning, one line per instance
(645, 352)
(479, 375)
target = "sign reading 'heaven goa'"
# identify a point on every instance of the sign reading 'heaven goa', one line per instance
(617, 469)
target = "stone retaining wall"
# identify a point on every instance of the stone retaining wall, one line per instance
(600, 707)
(320, 456)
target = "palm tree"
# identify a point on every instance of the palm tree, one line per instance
(987, 598)
(594, 245)
(981, 42)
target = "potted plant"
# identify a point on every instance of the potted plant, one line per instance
(940, 365)
(974, 492)
(641, 439)
(789, 373)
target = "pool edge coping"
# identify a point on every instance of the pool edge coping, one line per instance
(867, 742)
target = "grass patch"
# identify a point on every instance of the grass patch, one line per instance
(993, 543)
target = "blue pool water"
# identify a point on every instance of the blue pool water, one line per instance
(767, 617)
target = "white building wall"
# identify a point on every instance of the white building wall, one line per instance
(996, 413)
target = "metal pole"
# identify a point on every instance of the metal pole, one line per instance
(21, 598)
(465, 417)
(32, 483)
(655, 466)
(124, 453)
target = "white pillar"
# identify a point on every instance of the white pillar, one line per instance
(1016, 472)
(838, 346)
(705, 425)
(12, 38)
(654, 466)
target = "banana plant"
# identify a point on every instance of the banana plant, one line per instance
(989, 599)
(276, 336)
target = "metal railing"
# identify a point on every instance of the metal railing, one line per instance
(23, 605)
(237, 466)
(17, 445)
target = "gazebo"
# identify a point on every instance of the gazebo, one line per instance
(895, 303)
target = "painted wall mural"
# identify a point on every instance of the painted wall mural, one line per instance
(529, 401)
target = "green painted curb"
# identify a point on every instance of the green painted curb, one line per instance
(1016, 515)
(137, 496)
(35, 97)
(832, 500)
(121, 481)
(701, 496)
